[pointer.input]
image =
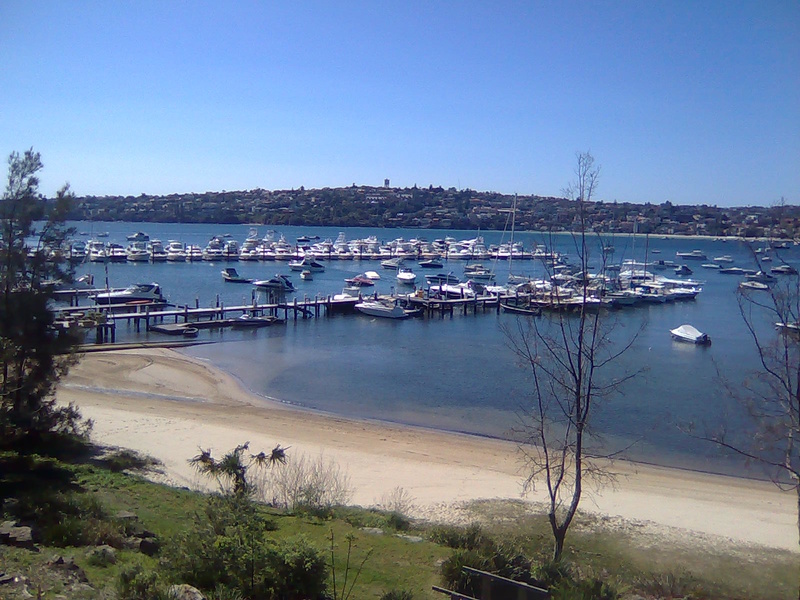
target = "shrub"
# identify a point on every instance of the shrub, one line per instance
(398, 522)
(223, 547)
(227, 551)
(301, 570)
(137, 583)
(309, 484)
(668, 585)
(67, 532)
(360, 517)
(453, 578)
(587, 589)
(484, 555)
(552, 572)
(399, 500)
(465, 538)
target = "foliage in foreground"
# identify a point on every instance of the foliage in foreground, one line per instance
(226, 548)
(397, 569)
(34, 353)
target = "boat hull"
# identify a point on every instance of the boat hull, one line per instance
(377, 309)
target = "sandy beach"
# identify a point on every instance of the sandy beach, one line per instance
(161, 403)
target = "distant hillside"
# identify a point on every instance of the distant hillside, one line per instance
(439, 208)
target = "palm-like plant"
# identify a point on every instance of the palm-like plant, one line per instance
(231, 471)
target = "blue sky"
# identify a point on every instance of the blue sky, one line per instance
(692, 102)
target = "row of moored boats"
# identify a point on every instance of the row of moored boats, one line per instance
(140, 248)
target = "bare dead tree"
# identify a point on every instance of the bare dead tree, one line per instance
(567, 353)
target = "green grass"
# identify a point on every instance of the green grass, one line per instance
(94, 493)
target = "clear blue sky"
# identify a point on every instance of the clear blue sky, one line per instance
(688, 101)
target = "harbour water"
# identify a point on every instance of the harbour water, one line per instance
(458, 373)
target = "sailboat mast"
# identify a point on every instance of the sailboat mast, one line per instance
(511, 243)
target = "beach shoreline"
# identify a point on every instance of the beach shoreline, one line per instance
(168, 405)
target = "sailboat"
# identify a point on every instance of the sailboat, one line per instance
(513, 279)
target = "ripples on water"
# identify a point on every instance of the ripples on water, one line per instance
(458, 373)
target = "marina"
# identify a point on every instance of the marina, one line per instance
(450, 367)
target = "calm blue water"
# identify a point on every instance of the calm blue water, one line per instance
(458, 373)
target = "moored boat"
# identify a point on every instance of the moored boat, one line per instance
(230, 275)
(406, 276)
(139, 292)
(360, 280)
(528, 309)
(251, 321)
(783, 270)
(431, 264)
(393, 263)
(693, 255)
(751, 285)
(375, 308)
(442, 279)
(690, 334)
(279, 282)
(683, 270)
(307, 263)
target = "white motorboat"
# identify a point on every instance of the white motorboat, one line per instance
(481, 275)
(139, 236)
(137, 252)
(140, 292)
(751, 285)
(442, 279)
(306, 275)
(450, 290)
(431, 263)
(194, 253)
(252, 321)
(213, 250)
(279, 282)
(176, 251)
(406, 276)
(762, 277)
(379, 309)
(157, 251)
(116, 253)
(690, 334)
(393, 263)
(783, 270)
(307, 263)
(373, 275)
(349, 293)
(693, 255)
(97, 251)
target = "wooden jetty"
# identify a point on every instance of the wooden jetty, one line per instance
(173, 320)
(186, 321)
(431, 305)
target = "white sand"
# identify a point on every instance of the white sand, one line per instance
(166, 405)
